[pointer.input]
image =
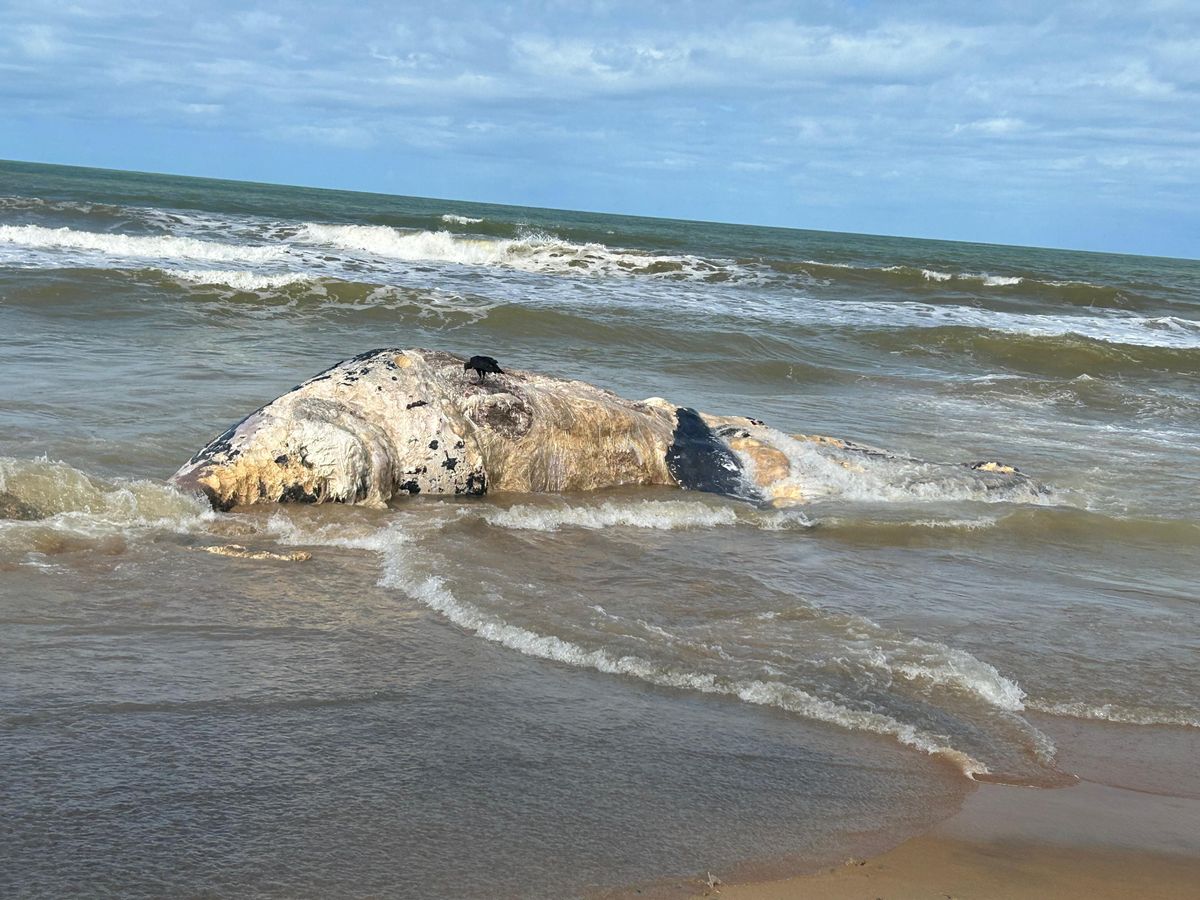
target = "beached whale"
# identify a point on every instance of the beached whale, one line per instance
(394, 422)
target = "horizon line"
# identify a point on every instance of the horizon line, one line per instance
(312, 187)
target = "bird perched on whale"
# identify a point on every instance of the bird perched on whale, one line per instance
(482, 366)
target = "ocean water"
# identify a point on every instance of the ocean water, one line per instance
(556, 695)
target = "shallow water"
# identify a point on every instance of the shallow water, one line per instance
(555, 694)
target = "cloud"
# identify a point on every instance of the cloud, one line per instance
(343, 136)
(996, 126)
(654, 105)
(202, 109)
(37, 42)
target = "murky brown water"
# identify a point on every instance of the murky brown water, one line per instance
(548, 695)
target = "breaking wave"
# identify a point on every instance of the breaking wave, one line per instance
(1121, 328)
(890, 682)
(50, 507)
(254, 255)
(1109, 712)
(535, 252)
(1046, 288)
(159, 247)
(826, 469)
(399, 572)
(238, 279)
(937, 276)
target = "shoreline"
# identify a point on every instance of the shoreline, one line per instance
(942, 866)
(1086, 841)
(1130, 827)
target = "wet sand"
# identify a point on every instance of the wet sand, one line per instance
(1021, 842)
(932, 867)
(1129, 828)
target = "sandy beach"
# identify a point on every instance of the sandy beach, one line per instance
(1123, 831)
(1130, 827)
(945, 867)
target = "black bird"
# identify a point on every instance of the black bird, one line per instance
(483, 366)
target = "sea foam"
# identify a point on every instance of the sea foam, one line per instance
(819, 471)
(924, 664)
(159, 247)
(66, 508)
(660, 514)
(534, 252)
(239, 279)
(433, 592)
(1109, 712)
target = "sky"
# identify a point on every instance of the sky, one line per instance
(1070, 124)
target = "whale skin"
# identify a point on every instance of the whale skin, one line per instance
(394, 422)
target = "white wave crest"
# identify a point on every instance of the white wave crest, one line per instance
(783, 519)
(954, 524)
(936, 275)
(432, 592)
(56, 499)
(948, 524)
(532, 253)
(398, 549)
(238, 279)
(415, 246)
(158, 247)
(452, 219)
(948, 666)
(1175, 324)
(657, 514)
(1115, 327)
(1108, 712)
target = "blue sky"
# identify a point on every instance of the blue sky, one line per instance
(1068, 124)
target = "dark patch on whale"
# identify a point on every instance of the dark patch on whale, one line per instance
(296, 494)
(699, 461)
(476, 485)
(222, 443)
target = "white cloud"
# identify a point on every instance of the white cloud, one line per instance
(202, 109)
(996, 126)
(1136, 78)
(342, 136)
(38, 42)
(950, 99)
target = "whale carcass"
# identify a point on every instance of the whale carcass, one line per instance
(394, 422)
